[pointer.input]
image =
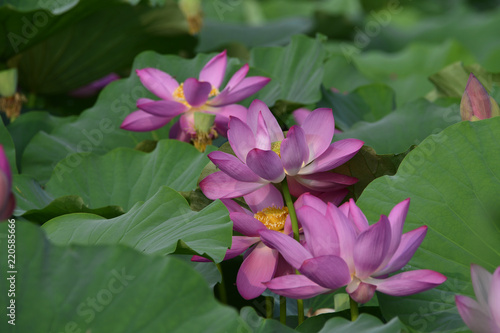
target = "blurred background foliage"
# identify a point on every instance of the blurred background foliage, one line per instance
(60, 45)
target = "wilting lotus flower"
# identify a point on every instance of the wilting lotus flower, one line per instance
(264, 156)
(7, 199)
(193, 12)
(193, 96)
(262, 263)
(341, 249)
(483, 315)
(476, 104)
(11, 101)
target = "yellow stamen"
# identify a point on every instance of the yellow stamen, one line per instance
(201, 139)
(213, 92)
(273, 218)
(178, 95)
(276, 146)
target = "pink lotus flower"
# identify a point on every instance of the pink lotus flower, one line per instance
(94, 87)
(192, 96)
(202, 128)
(301, 114)
(7, 199)
(483, 315)
(476, 104)
(261, 263)
(264, 156)
(341, 249)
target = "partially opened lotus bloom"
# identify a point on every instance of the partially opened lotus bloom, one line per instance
(264, 155)
(7, 199)
(194, 96)
(483, 315)
(476, 104)
(342, 249)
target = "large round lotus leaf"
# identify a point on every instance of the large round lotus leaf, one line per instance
(453, 180)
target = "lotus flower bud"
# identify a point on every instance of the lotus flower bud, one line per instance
(476, 104)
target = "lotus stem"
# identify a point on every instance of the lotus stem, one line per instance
(354, 309)
(269, 306)
(283, 310)
(296, 236)
(221, 286)
(291, 210)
